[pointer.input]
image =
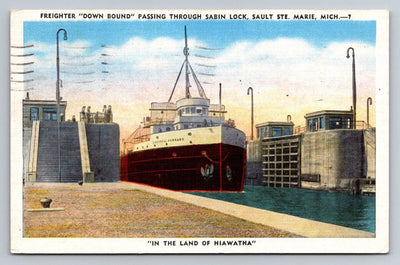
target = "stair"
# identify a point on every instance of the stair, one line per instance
(84, 152)
(33, 152)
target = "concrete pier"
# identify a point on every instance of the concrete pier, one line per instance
(165, 217)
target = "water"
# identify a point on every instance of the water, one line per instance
(336, 208)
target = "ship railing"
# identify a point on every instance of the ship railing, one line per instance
(217, 108)
(156, 121)
(129, 146)
(138, 140)
(300, 129)
(360, 125)
(139, 133)
(163, 106)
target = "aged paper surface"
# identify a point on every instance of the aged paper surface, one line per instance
(308, 71)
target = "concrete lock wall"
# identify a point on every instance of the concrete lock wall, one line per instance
(254, 174)
(103, 149)
(254, 151)
(370, 152)
(336, 155)
(103, 145)
(51, 167)
(253, 165)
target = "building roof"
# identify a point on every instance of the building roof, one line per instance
(329, 112)
(275, 123)
(41, 102)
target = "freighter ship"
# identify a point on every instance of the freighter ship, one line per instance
(187, 145)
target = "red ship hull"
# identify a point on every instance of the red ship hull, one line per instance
(211, 167)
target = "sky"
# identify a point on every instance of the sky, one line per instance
(294, 67)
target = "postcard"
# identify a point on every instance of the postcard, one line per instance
(199, 131)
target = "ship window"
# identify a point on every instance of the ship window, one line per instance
(34, 114)
(276, 131)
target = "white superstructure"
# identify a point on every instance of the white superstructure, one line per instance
(196, 136)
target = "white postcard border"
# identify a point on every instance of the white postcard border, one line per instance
(380, 244)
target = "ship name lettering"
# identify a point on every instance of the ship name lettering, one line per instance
(159, 141)
(175, 139)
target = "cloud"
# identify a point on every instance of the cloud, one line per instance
(289, 76)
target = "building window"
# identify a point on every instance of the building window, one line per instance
(50, 114)
(347, 123)
(185, 126)
(34, 114)
(168, 129)
(312, 125)
(335, 123)
(187, 110)
(287, 131)
(322, 123)
(276, 131)
(198, 111)
(193, 109)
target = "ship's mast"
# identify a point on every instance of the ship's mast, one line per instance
(186, 53)
(188, 70)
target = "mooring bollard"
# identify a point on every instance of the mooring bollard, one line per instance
(45, 202)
